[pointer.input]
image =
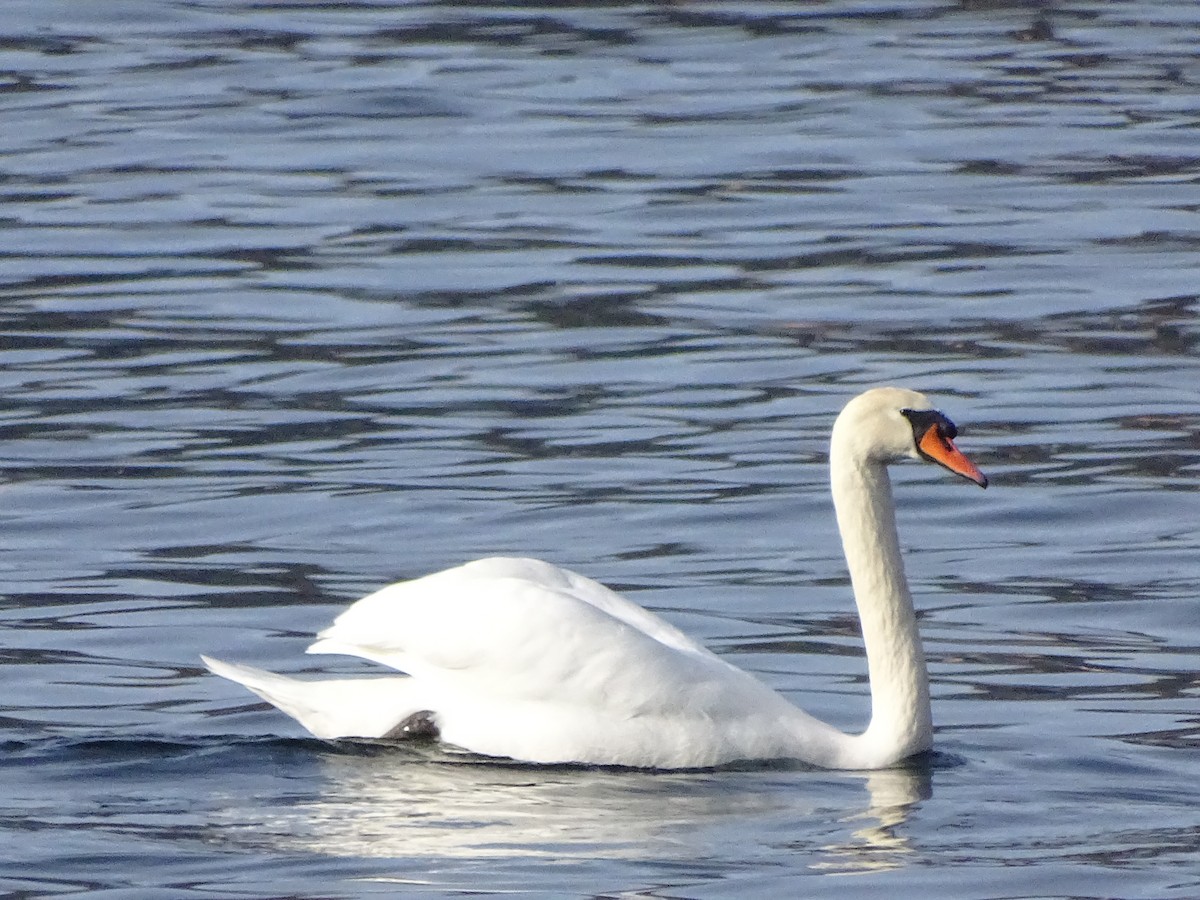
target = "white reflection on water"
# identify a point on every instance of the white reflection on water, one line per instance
(372, 807)
(877, 842)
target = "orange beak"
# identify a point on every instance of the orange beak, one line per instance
(941, 450)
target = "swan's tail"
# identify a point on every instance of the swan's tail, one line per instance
(331, 708)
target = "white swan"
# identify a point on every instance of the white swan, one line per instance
(518, 658)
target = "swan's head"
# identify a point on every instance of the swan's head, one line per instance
(887, 424)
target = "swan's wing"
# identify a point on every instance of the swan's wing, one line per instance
(520, 658)
(555, 578)
(517, 630)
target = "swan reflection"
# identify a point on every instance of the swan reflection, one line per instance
(402, 805)
(877, 842)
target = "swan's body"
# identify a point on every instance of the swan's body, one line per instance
(519, 658)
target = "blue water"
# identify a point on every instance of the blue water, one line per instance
(299, 299)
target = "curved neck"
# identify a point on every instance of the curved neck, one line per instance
(901, 721)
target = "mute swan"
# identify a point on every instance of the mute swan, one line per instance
(518, 658)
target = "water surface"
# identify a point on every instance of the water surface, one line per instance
(296, 300)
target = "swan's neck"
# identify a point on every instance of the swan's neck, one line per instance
(901, 721)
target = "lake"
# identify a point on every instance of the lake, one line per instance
(298, 299)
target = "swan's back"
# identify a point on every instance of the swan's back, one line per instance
(507, 591)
